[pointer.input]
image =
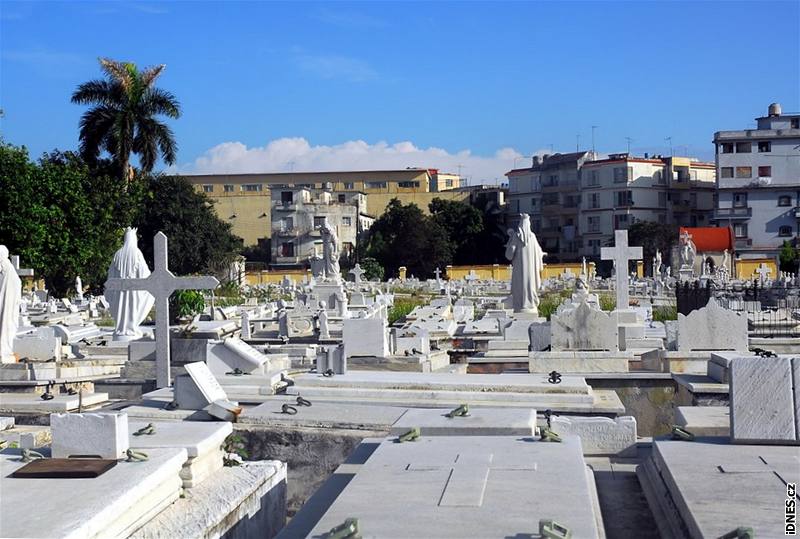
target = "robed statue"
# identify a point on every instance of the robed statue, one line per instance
(330, 251)
(527, 260)
(10, 300)
(129, 308)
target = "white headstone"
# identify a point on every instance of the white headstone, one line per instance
(103, 435)
(621, 254)
(198, 388)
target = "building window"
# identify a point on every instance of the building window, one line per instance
(594, 223)
(228, 188)
(726, 147)
(594, 201)
(623, 198)
(591, 179)
(533, 203)
(447, 183)
(376, 185)
(764, 146)
(784, 200)
(659, 177)
(726, 172)
(740, 230)
(621, 174)
(764, 172)
(319, 220)
(348, 185)
(347, 221)
(744, 172)
(740, 200)
(408, 185)
(252, 187)
(342, 199)
(744, 147)
(785, 230)
(795, 123)
(287, 249)
(208, 188)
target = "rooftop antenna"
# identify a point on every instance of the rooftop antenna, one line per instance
(669, 139)
(551, 148)
(629, 139)
(291, 166)
(593, 128)
(578, 142)
(459, 168)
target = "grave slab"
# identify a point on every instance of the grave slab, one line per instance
(102, 435)
(466, 486)
(709, 487)
(704, 420)
(322, 415)
(201, 440)
(30, 402)
(112, 505)
(579, 361)
(600, 435)
(480, 422)
(762, 401)
(241, 501)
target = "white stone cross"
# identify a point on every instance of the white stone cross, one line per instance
(471, 276)
(161, 284)
(438, 274)
(763, 272)
(469, 472)
(22, 272)
(621, 254)
(357, 272)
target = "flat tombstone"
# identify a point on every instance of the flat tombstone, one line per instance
(762, 401)
(599, 435)
(198, 388)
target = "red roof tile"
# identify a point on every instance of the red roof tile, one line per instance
(711, 239)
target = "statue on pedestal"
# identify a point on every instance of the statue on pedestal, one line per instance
(527, 259)
(330, 251)
(129, 308)
(10, 300)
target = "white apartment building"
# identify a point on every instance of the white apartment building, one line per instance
(758, 182)
(577, 202)
(297, 215)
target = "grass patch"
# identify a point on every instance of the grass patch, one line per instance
(662, 313)
(403, 306)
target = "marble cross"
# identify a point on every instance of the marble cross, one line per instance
(471, 276)
(22, 272)
(357, 272)
(161, 284)
(438, 274)
(763, 272)
(621, 253)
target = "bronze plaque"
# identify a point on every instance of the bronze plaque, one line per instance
(64, 468)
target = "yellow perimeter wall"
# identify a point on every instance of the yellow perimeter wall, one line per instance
(254, 278)
(746, 268)
(503, 273)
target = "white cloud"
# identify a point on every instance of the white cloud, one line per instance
(285, 154)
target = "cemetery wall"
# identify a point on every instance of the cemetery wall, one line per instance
(484, 272)
(746, 268)
(254, 278)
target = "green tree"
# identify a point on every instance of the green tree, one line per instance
(462, 223)
(653, 236)
(62, 219)
(489, 245)
(198, 240)
(789, 258)
(124, 118)
(372, 269)
(404, 236)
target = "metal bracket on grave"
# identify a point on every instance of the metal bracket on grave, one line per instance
(741, 532)
(550, 529)
(347, 530)
(461, 411)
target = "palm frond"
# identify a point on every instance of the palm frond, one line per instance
(95, 91)
(118, 72)
(158, 101)
(151, 73)
(94, 126)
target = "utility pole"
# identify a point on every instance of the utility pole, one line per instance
(578, 142)
(669, 139)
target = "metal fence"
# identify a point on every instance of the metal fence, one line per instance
(772, 311)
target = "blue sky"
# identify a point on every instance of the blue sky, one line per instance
(279, 86)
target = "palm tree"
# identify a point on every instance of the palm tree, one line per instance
(124, 119)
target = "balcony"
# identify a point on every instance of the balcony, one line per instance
(284, 205)
(743, 243)
(733, 213)
(288, 232)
